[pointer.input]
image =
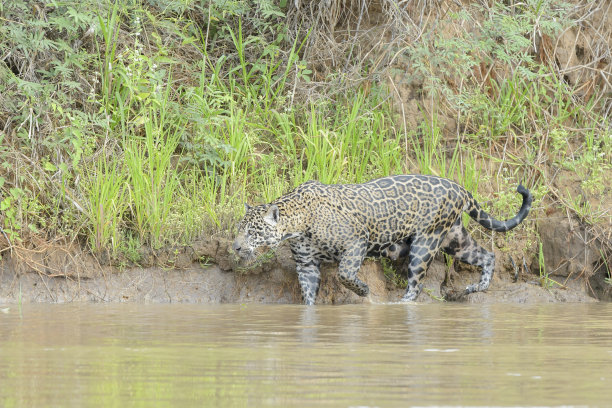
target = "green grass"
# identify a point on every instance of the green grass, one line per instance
(105, 186)
(153, 183)
(392, 275)
(430, 150)
(357, 144)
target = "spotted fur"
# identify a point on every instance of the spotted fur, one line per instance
(408, 216)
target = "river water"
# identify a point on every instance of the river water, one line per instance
(396, 355)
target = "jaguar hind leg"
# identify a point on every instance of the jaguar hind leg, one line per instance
(422, 252)
(460, 245)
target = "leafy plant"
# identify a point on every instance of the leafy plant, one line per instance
(105, 188)
(153, 183)
(9, 207)
(392, 275)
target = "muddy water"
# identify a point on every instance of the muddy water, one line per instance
(279, 355)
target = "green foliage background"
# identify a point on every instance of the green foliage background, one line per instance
(150, 123)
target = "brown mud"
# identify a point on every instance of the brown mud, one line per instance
(204, 273)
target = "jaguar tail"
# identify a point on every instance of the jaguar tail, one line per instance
(487, 221)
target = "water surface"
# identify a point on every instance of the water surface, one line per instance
(289, 355)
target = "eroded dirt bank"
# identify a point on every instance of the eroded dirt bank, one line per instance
(69, 278)
(198, 284)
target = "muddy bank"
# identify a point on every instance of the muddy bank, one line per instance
(199, 284)
(208, 272)
(272, 282)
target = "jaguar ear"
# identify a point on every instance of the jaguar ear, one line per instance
(271, 216)
(246, 207)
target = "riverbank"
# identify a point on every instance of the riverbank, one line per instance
(211, 285)
(272, 282)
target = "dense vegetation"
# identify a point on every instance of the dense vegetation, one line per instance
(149, 123)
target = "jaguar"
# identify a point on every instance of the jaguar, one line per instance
(404, 216)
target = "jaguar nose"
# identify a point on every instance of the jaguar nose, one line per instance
(236, 246)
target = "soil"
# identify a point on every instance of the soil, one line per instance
(190, 281)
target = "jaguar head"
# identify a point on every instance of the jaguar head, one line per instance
(258, 228)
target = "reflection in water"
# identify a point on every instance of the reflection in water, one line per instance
(290, 355)
(309, 320)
